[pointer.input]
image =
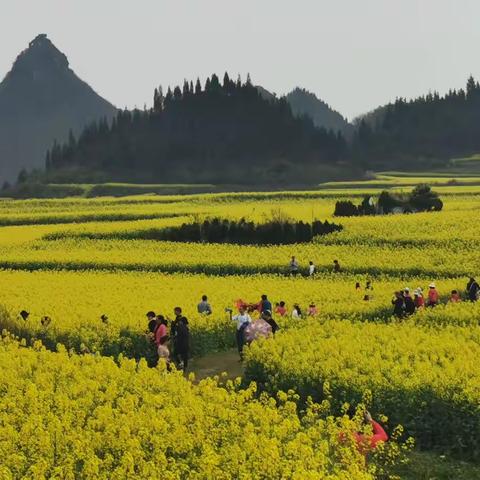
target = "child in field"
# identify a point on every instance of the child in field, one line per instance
(455, 297)
(163, 351)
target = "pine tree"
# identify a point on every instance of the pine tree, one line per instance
(198, 87)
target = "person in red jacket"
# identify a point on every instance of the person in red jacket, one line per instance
(433, 296)
(367, 443)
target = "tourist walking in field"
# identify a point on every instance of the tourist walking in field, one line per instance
(151, 355)
(455, 297)
(265, 304)
(311, 269)
(418, 299)
(242, 320)
(181, 339)
(473, 290)
(267, 316)
(281, 309)
(433, 296)
(336, 266)
(204, 308)
(293, 266)
(161, 329)
(398, 305)
(296, 312)
(408, 301)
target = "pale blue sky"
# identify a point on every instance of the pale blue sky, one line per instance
(354, 54)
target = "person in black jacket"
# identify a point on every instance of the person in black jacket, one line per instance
(267, 316)
(408, 302)
(472, 289)
(180, 334)
(398, 305)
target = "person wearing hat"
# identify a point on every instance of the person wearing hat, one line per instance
(418, 299)
(433, 296)
(409, 303)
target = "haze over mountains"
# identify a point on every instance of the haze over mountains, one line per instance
(41, 99)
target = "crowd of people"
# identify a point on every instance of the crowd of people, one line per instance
(169, 340)
(173, 345)
(406, 304)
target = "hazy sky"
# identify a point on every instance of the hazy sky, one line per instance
(354, 54)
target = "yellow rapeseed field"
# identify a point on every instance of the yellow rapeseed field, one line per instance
(75, 260)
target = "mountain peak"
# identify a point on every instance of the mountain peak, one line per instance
(41, 99)
(41, 54)
(303, 102)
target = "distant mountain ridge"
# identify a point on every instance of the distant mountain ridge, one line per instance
(302, 102)
(41, 99)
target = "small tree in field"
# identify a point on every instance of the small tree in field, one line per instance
(424, 199)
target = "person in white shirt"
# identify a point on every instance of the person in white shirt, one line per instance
(311, 269)
(296, 312)
(243, 319)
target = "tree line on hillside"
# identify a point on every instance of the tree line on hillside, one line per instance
(220, 132)
(229, 133)
(422, 132)
(420, 199)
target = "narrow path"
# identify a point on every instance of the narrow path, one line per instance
(217, 363)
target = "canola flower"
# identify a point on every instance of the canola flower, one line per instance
(427, 379)
(422, 372)
(75, 302)
(68, 416)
